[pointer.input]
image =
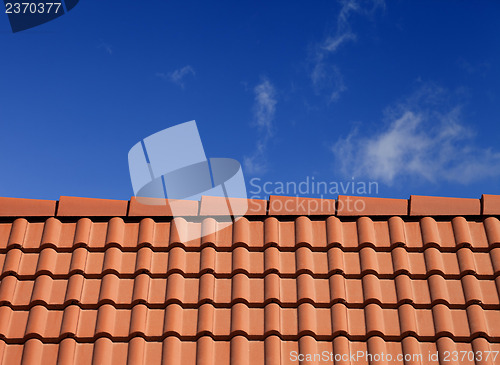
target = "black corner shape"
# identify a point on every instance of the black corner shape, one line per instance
(25, 14)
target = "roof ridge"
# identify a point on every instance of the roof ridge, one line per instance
(344, 205)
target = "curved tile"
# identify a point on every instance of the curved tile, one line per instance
(108, 292)
(461, 231)
(146, 234)
(369, 260)
(47, 260)
(366, 231)
(32, 352)
(209, 231)
(138, 320)
(239, 351)
(12, 261)
(492, 228)
(144, 260)
(304, 261)
(397, 233)
(106, 319)
(240, 319)
(240, 288)
(206, 290)
(476, 320)
(271, 231)
(116, 232)
(272, 350)
(136, 352)
(176, 260)
(42, 290)
(175, 288)
(443, 320)
(305, 289)
(82, 232)
(37, 322)
(18, 232)
(434, 261)
(400, 260)
(178, 230)
(51, 232)
(206, 316)
(334, 233)
(205, 350)
(7, 289)
(272, 319)
(376, 347)
(141, 290)
(70, 319)
(481, 346)
(303, 231)
(240, 260)
(241, 232)
(372, 292)
(438, 289)
(495, 260)
(430, 232)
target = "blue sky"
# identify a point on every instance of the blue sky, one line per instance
(404, 93)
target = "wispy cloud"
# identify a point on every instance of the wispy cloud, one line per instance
(264, 111)
(178, 76)
(326, 76)
(480, 68)
(106, 47)
(424, 139)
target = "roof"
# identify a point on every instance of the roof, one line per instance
(90, 281)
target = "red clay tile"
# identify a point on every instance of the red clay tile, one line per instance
(490, 204)
(16, 207)
(431, 205)
(153, 207)
(91, 207)
(213, 206)
(365, 206)
(289, 205)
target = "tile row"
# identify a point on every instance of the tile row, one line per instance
(256, 292)
(385, 264)
(277, 205)
(254, 323)
(318, 234)
(241, 351)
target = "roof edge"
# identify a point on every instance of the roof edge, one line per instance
(344, 206)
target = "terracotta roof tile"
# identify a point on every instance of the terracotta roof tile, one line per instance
(490, 204)
(431, 205)
(129, 290)
(211, 205)
(365, 206)
(291, 205)
(15, 207)
(151, 207)
(91, 207)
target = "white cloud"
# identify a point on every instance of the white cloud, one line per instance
(177, 76)
(265, 105)
(264, 111)
(325, 76)
(106, 47)
(422, 141)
